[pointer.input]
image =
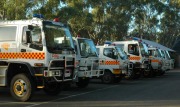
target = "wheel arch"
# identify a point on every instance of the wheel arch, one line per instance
(108, 70)
(15, 68)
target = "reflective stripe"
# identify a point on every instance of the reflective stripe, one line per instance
(109, 62)
(22, 55)
(40, 86)
(116, 71)
(134, 58)
(154, 60)
(39, 75)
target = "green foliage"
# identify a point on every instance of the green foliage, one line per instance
(13, 9)
(101, 20)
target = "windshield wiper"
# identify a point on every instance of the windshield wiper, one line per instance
(86, 56)
(92, 54)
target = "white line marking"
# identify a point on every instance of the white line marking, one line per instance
(72, 96)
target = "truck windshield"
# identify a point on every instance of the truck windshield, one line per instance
(58, 37)
(144, 49)
(168, 54)
(87, 48)
(151, 52)
(159, 53)
(162, 53)
(122, 54)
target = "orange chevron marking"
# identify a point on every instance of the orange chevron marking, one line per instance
(22, 55)
(134, 58)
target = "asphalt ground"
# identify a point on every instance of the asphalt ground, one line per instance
(160, 91)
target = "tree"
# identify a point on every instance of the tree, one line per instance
(13, 9)
(170, 24)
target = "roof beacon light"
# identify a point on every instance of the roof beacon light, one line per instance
(113, 44)
(107, 43)
(56, 20)
(78, 36)
(140, 40)
(38, 16)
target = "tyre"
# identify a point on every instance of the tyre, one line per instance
(82, 83)
(133, 74)
(53, 88)
(117, 79)
(21, 87)
(67, 86)
(129, 75)
(148, 72)
(163, 72)
(153, 72)
(107, 77)
(160, 72)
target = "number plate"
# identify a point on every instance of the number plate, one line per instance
(68, 73)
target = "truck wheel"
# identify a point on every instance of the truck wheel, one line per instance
(160, 72)
(53, 88)
(107, 77)
(82, 83)
(67, 86)
(117, 79)
(153, 73)
(163, 72)
(148, 72)
(131, 75)
(21, 87)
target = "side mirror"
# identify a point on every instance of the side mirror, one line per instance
(155, 55)
(115, 53)
(30, 27)
(143, 53)
(65, 42)
(28, 37)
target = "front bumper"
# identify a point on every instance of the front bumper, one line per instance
(90, 74)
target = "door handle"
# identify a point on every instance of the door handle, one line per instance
(23, 50)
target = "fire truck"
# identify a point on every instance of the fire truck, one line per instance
(171, 60)
(31, 58)
(160, 56)
(114, 62)
(138, 55)
(87, 61)
(156, 60)
(166, 61)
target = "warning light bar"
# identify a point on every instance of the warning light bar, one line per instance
(38, 16)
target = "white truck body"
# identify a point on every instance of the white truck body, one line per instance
(138, 55)
(171, 60)
(166, 60)
(87, 61)
(156, 59)
(40, 63)
(114, 60)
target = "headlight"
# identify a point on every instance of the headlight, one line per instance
(52, 73)
(65, 52)
(83, 68)
(167, 64)
(116, 71)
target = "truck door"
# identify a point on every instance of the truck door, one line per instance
(31, 40)
(8, 38)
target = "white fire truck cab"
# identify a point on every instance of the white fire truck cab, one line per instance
(138, 55)
(171, 60)
(31, 57)
(166, 60)
(156, 60)
(87, 61)
(114, 62)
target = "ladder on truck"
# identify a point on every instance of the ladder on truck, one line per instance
(3, 69)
